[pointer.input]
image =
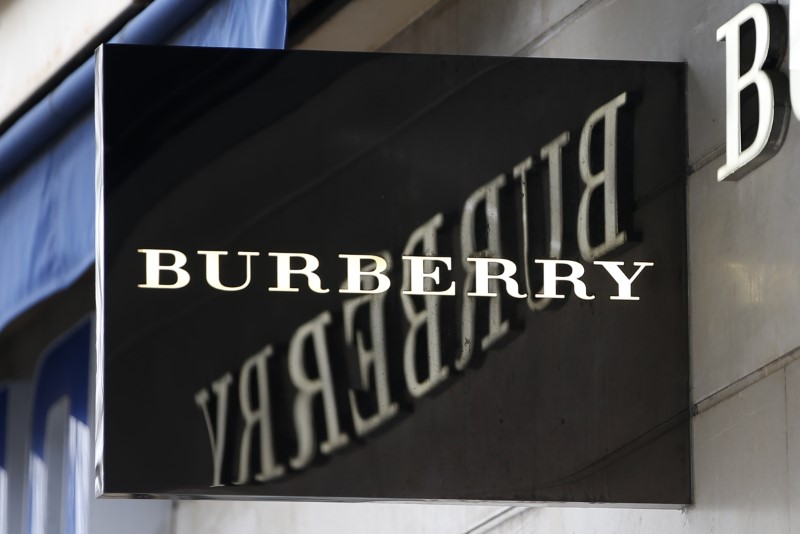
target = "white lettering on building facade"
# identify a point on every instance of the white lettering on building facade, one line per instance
(768, 23)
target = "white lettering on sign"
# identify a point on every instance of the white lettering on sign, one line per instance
(576, 272)
(285, 272)
(418, 278)
(421, 275)
(212, 269)
(355, 274)
(623, 282)
(153, 269)
(549, 290)
(507, 269)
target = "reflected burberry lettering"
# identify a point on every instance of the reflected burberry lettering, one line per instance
(427, 278)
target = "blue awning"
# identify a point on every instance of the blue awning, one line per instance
(47, 158)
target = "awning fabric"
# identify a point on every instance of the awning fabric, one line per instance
(47, 201)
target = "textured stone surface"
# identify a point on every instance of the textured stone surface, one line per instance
(265, 517)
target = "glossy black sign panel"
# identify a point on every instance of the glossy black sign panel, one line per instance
(227, 375)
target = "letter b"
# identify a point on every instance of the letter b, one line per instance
(153, 268)
(770, 85)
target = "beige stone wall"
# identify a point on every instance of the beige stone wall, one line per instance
(38, 36)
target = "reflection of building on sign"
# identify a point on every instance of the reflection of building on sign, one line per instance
(426, 276)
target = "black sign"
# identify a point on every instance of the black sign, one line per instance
(378, 276)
